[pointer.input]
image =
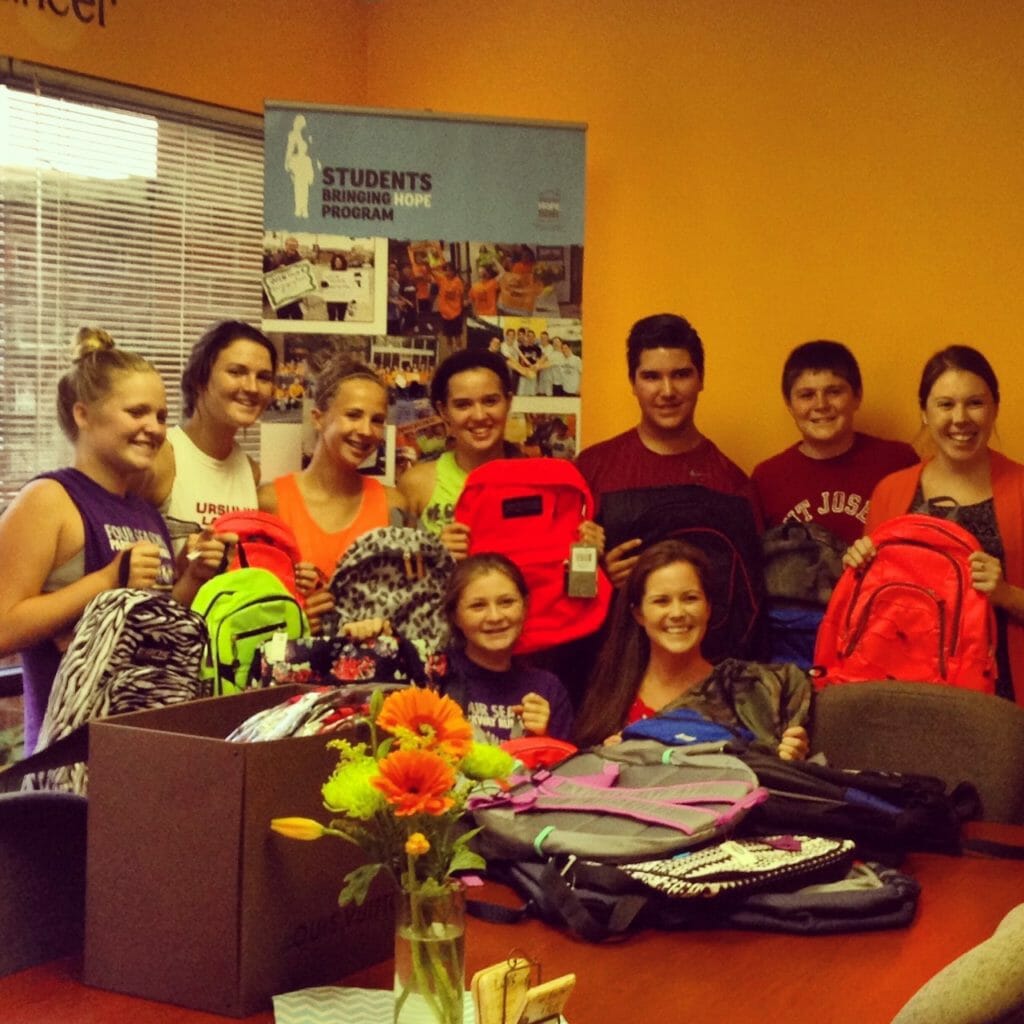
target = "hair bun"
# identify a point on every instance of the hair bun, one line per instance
(90, 339)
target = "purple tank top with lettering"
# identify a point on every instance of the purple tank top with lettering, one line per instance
(112, 523)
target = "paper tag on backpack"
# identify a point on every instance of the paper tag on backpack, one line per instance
(276, 648)
(581, 571)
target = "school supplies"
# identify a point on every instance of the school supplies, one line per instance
(243, 608)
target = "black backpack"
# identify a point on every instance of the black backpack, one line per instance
(814, 891)
(802, 564)
(723, 527)
(584, 864)
(887, 814)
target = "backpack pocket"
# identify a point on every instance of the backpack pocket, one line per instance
(236, 639)
(899, 623)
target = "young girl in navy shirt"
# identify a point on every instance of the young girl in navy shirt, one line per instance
(502, 696)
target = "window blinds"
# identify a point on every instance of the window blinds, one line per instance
(136, 213)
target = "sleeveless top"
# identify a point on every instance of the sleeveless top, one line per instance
(205, 487)
(440, 510)
(979, 520)
(315, 544)
(112, 523)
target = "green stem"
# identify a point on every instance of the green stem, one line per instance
(443, 956)
(441, 969)
(431, 962)
(416, 949)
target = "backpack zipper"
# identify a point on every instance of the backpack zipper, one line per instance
(960, 574)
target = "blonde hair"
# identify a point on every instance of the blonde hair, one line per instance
(95, 361)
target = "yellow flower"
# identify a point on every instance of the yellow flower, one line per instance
(298, 828)
(350, 789)
(417, 844)
(423, 719)
(485, 761)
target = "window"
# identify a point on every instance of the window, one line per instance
(135, 212)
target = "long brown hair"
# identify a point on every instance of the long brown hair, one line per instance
(626, 651)
(956, 357)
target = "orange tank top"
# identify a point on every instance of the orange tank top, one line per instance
(316, 545)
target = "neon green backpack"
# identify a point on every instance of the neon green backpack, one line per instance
(243, 609)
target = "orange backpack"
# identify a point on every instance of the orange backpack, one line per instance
(530, 510)
(265, 541)
(910, 613)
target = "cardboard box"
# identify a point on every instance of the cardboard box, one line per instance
(190, 898)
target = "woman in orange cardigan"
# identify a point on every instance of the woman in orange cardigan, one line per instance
(959, 400)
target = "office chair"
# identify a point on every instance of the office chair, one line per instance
(954, 734)
(42, 877)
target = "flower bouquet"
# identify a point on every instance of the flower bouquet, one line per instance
(401, 797)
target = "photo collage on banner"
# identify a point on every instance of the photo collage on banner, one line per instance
(399, 239)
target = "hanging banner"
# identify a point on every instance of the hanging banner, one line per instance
(400, 238)
(416, 176)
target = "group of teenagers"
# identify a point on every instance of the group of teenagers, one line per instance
(136, 508)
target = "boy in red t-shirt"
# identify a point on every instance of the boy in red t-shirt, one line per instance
(827, 477)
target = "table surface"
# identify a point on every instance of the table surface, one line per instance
(860, 978)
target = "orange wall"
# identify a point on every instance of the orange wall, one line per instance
(775, 171)
(232, 52)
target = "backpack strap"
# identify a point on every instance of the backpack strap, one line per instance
(991, 848)
(243, 558)
(552, 895)
(563, 899)
(68, 750)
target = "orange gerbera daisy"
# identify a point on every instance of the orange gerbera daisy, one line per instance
(422, 718)
(415, 782)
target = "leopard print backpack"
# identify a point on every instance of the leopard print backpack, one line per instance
(397, 573)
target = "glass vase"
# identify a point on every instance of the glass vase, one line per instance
(430, 957)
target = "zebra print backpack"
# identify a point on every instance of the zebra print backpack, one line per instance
(131, 650)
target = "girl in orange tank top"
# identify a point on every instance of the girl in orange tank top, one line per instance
(330, 503)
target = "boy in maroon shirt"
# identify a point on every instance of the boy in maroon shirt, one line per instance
(827, 477)
(665, 359)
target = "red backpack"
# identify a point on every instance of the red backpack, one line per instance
(911, 613)
(264, 542)
(530, 510)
